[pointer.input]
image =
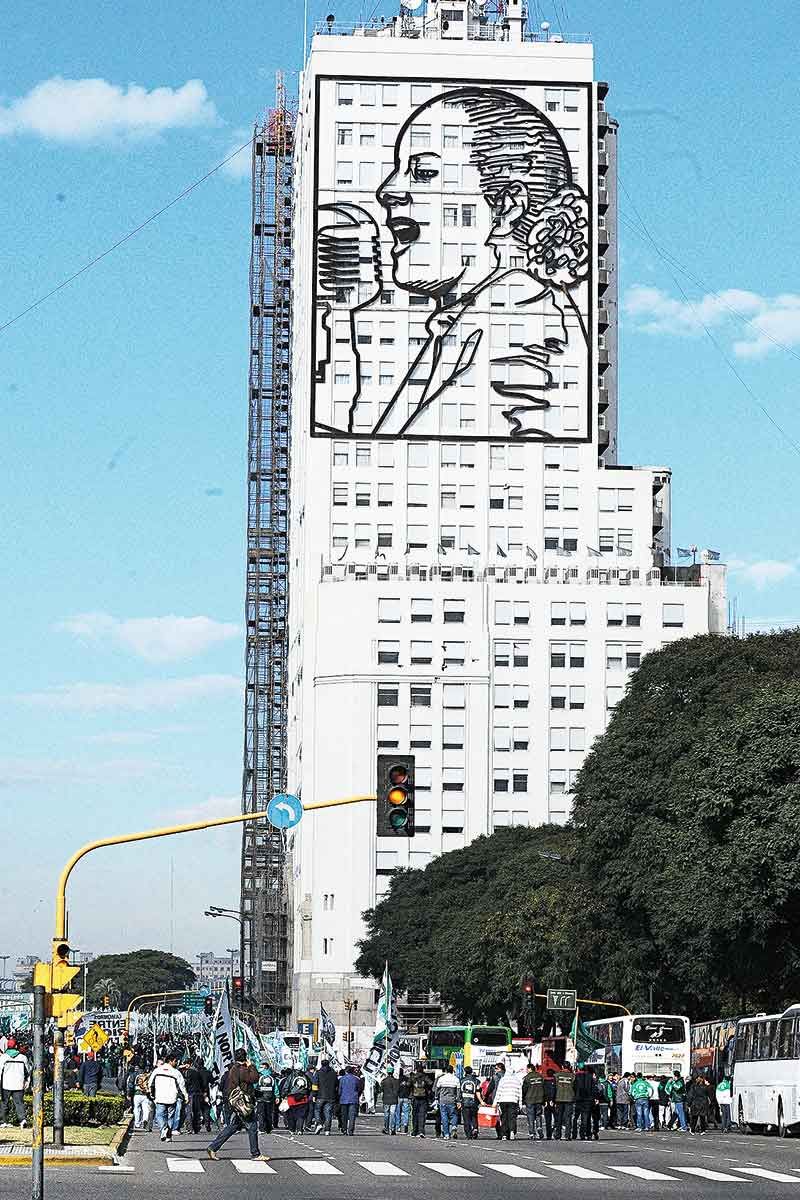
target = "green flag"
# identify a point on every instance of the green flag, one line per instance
(585, 1044)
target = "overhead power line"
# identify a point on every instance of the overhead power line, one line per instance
(121, 241)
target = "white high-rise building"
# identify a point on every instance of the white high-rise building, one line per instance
(473, 574)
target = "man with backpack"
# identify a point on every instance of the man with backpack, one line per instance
(420, 1096)
(470, 1098)
(297, 1097)
(241, 1079)
(142, 1109)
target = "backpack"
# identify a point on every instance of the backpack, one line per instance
(469, 1088)
(140, 1084)
(299, 1086)
(239, 1102)
(266, 1088)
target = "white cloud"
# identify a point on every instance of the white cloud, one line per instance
(135, 697)
(91, 110)
(239, 166)
(155, 639)
(39, 772)
(205, 810)
(764, 572)
(768, 317)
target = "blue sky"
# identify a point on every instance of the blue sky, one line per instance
(122, 494)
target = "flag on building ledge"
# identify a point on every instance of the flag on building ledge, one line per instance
(530, 553)
(593, 552)
(711, 555)
(682, 552)
(472, 550)
(501, 552)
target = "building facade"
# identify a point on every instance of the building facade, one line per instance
(473, 574)
(213, 971)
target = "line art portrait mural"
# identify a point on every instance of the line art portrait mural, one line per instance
(452, 257)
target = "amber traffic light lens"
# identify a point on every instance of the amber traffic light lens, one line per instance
(397, 796)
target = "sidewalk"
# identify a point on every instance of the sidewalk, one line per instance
(84, 1148)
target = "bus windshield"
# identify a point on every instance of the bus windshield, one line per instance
(490, 1035)
(663, 1031)
(447, 1037)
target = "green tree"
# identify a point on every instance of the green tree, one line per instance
(138, 972)
(106, 987)
(687, 835)
(475, 921)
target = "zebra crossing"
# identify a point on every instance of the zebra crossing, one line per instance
(381, 1169)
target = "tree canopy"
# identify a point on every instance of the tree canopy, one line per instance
(139, 972)
(680, 868)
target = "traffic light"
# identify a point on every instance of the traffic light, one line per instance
(395, 792)
(62, 1002)
(238, 989)
(528, 1002)
(208, 1006)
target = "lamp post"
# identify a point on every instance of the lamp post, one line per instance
(214, 910)
(351, 1006)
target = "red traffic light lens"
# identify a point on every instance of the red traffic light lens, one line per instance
(398, 773)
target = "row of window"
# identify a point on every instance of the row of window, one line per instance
(502, 457)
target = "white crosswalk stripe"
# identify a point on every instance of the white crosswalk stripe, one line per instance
(188, 1166)
(451, 1170)
(317, 1166)
(776, 1176)
(384, 1168)
(252, 1166)
(642, 1173)
(718, 1176)
(578, 1172)
(513, 1171)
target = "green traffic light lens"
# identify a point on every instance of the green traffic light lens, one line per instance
(398, 819)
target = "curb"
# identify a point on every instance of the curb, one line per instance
(109, 1157)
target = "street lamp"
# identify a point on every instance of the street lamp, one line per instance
(351, 1006)
(214, 910)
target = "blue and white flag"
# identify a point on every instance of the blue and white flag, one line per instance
(711, 555)
(328, 1027)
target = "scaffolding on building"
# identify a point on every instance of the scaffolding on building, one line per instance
(266, 964)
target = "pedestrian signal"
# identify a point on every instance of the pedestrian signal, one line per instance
(395, 792)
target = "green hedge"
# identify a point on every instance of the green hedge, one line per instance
(78, 1109)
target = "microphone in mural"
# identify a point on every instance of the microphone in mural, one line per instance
(523, 236)
(349, 279)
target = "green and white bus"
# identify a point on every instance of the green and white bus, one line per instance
(480, 1045)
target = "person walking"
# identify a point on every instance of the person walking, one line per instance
(349, 1093)
(699, 1101)
(404, 1105)
(198, 1111)
(533, 1099)
(265, 1100)
(549, 1102)
(420, 1095)
(676, 1090)
(584, 1098)
(640, 1095)
(564, 1103)
(470, 1098)
(508, 1098)
(90, 1075)
(327, 1090)
(724, 1099)
(15, 1072)
(447, 1091)
(142, 1108)
(298, 1096)
(655, 1103)
(390, 1095)
(242, 1077)
(166, 1086)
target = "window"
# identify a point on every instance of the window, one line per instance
(625, 541)
(386, 373)
(521, 654)
(672, 616)
(417, 495)
(558, 781)
(520, 737)
(452, 779)
(385, 533)
(633, 657)
(550, 538)
(519, 781)
(613, 656)
(327, 945)
(385, 495)
(605, 541)
(421, 736)
(558, 738)
(388, 736)
(340, 454)
(453, 695)
(558, 697)
(344, 135)
(502, 695)
(345, 93)
(521, 694)
(625, 500)
(344, 173)
(454, 654)
(390, 93)
(577, 612)
(558, 654)
(387, 296)
(614, 693)
(453, 612)
(502, 654)
(420, 696)
(577, 738)
(420, 135)
(469, 214)
(551, 499)
(362, 536)
(569, 499)
(633, 615)
(421, 609)
(362, 454)
(614, 613)
(502, 612)
(387, 695)
(447, 497)
(558, 612)
(388, 652)
(339, 495)
(362, 495)
(500, 779)
(339, 535)
(577, 696)
(501, 737)
(418, 454)
(366, 135)
(577, 654)
(449, 215)
(452, 737)
(417, 537)
(522, 612)
(421, 653)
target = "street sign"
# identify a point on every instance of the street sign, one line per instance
(284, 811)
(94, 1039)
(308, 1027)
(269, 966)
(194, 1001)
(562, 999)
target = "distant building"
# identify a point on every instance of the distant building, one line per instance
(212, 971)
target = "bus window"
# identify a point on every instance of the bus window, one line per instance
(483, 1035)
(658, 1030)
(786, 1038)
(446, 1037)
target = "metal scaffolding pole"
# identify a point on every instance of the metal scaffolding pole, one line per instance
(265, 946)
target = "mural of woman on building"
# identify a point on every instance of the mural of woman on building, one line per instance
(532, 229)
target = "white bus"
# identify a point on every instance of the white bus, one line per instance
(766, 1072)
(652, 1043)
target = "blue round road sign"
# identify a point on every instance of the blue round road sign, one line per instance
(284, 811)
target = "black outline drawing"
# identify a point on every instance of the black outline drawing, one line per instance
(526, 180)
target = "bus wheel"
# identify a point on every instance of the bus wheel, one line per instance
(743, 1125)
(782, 1128)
